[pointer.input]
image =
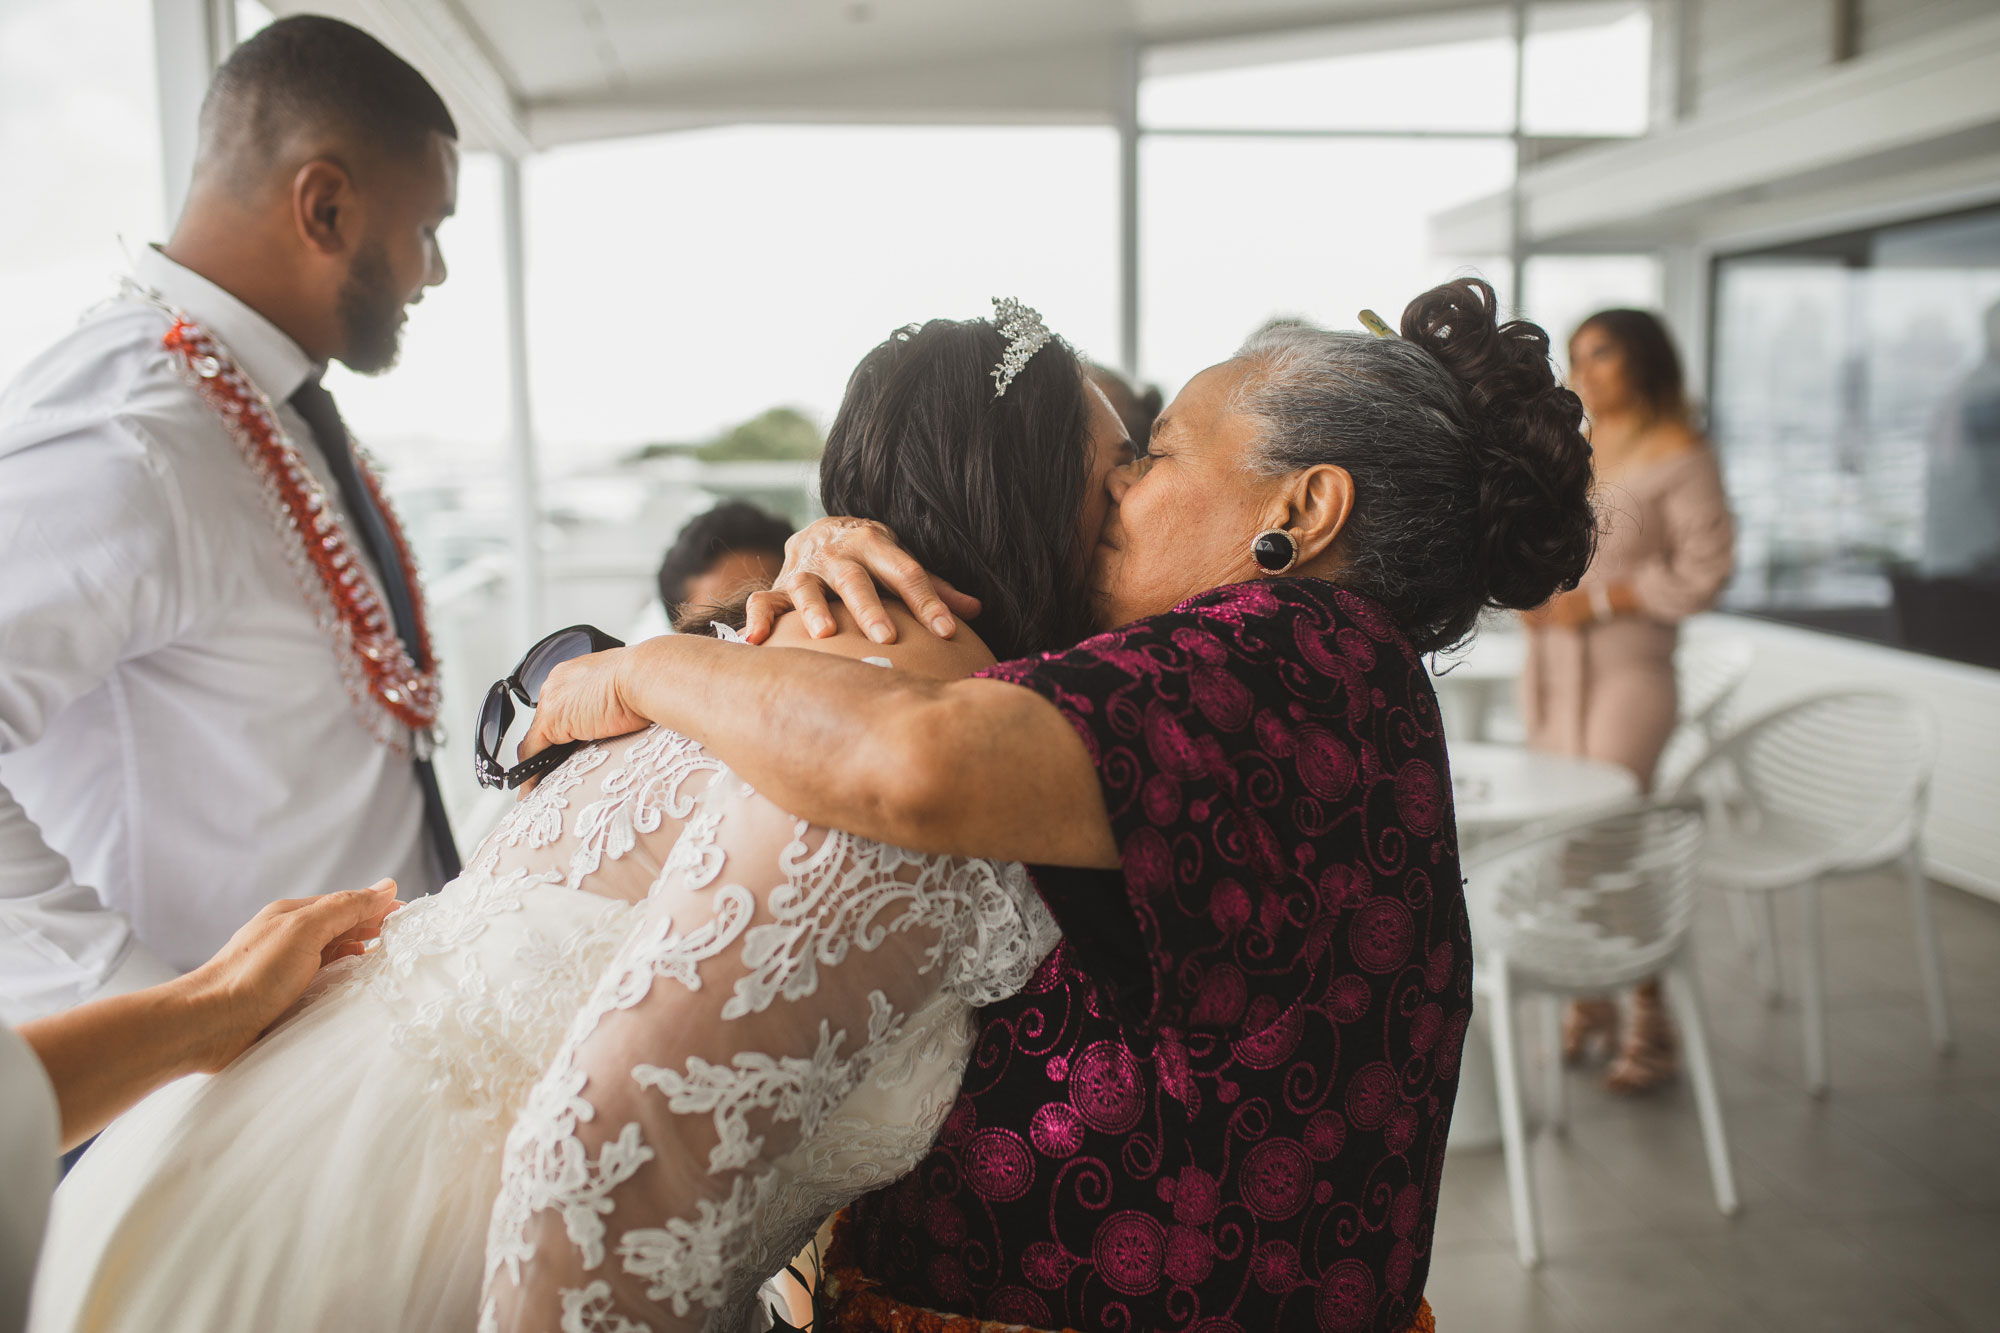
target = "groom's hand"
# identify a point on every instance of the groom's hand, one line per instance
(847, 557)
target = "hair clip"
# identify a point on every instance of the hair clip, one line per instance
(1374, 324)
(1025, 334)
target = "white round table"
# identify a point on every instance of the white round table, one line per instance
(1495, 790)
(1498, 788)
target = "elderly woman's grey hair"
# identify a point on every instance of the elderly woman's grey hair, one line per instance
(1471, 473)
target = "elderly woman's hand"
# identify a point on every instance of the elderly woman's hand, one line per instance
(1572, 609)
(847, 556)
(1565, 610)
(583, 700)
(1557, 613)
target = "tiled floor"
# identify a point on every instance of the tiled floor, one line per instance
(1875, 1209)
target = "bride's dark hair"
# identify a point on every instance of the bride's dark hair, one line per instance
(986, 491)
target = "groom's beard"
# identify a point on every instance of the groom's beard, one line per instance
(371, 313)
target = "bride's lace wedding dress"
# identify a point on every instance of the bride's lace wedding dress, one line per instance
(744, 1022)
(781, 1033)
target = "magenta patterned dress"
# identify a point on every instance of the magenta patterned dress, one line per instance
(1222, 1102)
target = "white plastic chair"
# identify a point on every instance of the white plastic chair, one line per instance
(1830, 785)
(1708, 672)
(1590, 907)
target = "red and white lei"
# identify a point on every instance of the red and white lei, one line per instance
(395, 694)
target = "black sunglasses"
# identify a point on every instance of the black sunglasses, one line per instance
(497, 713)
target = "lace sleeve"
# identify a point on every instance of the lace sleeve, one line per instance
(784, 1029)
(607, 818)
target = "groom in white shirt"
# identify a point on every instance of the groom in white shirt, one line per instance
(209, 702)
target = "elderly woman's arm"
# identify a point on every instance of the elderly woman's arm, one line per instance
(966, 767)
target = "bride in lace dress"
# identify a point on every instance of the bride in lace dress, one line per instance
(688, 1025)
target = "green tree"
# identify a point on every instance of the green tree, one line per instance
(781, 433)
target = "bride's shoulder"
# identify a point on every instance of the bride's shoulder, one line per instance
(915, 649)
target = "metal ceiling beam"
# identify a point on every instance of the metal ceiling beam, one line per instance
(1216, 23)
(1069, 85)
(524, 485)
(1128, 212)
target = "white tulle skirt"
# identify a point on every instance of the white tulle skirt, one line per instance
(339, 1176)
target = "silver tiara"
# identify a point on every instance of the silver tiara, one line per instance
(1026, 335)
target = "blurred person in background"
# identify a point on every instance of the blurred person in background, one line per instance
(1962, 491)
(1599, 678)
(1949, 604)
(214, 676)
(1135, 407)
(733, 548)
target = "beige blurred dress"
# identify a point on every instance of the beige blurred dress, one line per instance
(1606, 689)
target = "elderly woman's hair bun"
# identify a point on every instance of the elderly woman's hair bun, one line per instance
(1536, 534)
(1471, 473)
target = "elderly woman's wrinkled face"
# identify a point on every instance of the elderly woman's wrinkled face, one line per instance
(1182, 516)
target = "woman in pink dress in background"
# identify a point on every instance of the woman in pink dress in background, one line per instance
(1599, 679)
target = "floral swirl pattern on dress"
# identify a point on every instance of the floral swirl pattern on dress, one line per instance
(1222, 1103)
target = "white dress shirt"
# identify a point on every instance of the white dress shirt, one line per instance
(30, 1136)
(176, 746)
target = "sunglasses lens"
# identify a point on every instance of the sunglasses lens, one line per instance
(546, 657)
(494, 715)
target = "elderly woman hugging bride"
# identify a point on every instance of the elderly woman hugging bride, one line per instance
(773, 951)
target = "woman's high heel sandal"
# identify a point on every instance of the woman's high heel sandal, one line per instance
(1590, 1030)
(1647, 1057)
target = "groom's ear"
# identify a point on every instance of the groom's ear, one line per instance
(324, 207)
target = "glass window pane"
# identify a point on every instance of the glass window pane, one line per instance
(773, 257)
(1565, 290)
(1588, 70)
(1239, 230)
(80, 155)
(1857, 403)
(1455, 85)
(1933, 374)
(1780, 352)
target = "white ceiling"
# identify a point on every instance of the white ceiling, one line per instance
(532, 73)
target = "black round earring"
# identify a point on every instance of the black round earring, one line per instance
(1274, 550)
